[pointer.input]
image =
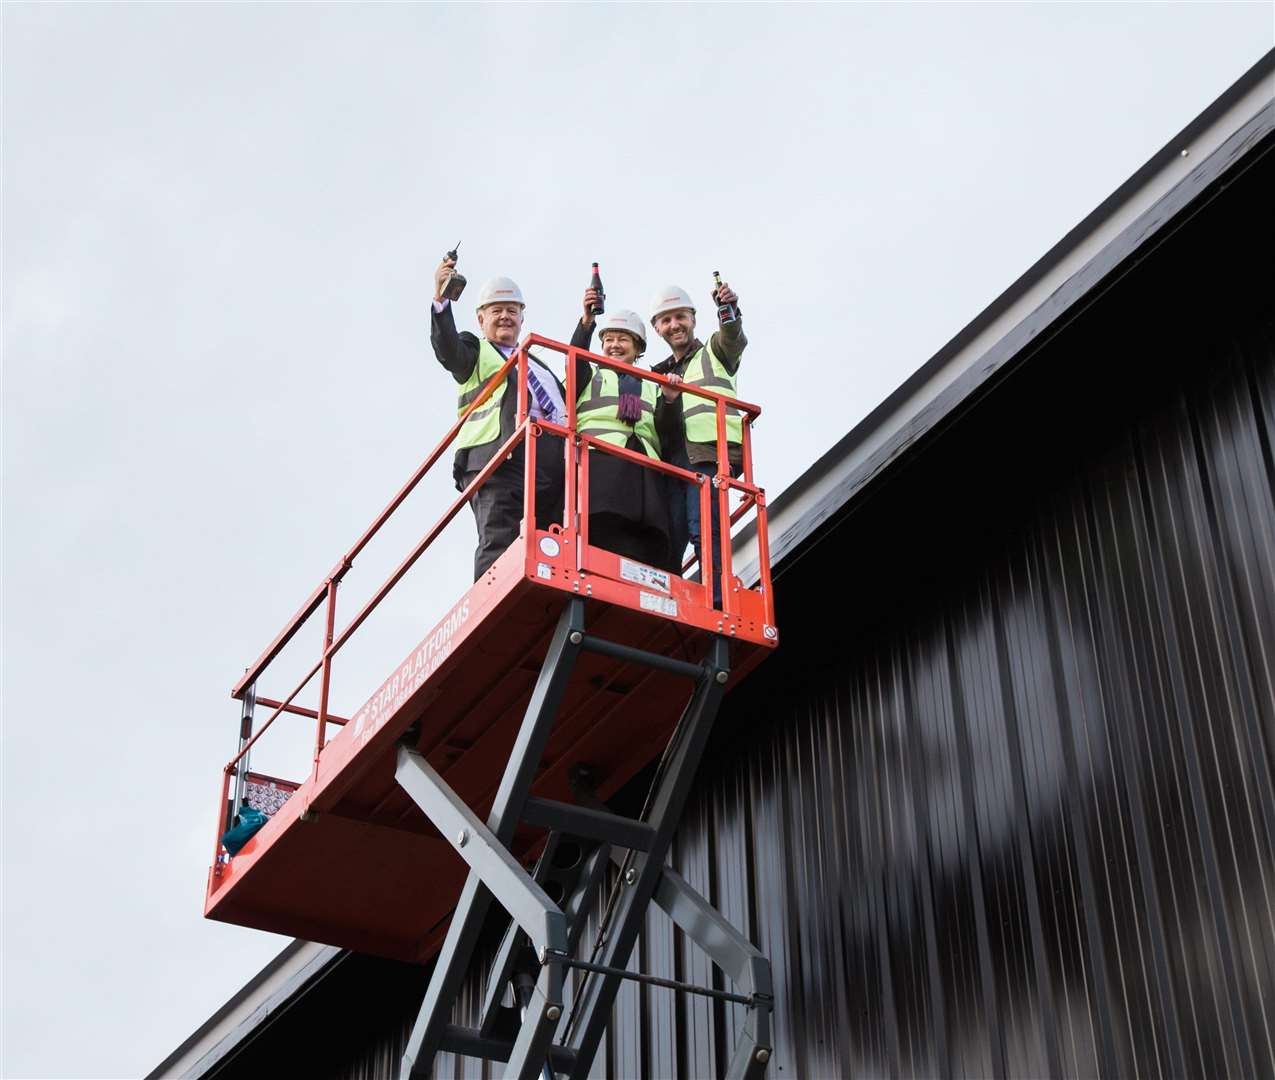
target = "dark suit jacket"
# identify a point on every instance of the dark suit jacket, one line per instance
(458, 353)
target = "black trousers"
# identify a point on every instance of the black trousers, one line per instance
(497, 505)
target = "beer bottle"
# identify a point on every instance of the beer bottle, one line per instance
(726, 313)
(599, 305)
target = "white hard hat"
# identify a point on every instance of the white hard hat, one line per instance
(626, 320)
(500, 290)
(670, 298)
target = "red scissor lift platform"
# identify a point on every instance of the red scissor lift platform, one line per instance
(559, 675)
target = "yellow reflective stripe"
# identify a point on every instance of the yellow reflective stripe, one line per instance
(490, 359)
(696, 410)
(609, 402)
(482, 426)
(597, 414)
(701, 419)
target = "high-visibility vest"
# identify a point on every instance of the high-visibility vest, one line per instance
(700, 414)
(483, 425)
(597, 413)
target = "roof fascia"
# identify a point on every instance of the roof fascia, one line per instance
(297, 967)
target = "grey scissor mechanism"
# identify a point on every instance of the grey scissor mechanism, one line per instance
(536, 1036)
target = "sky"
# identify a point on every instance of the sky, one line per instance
(220, 224)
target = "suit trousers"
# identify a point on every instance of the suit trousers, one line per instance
(497, 505)
(709, 469)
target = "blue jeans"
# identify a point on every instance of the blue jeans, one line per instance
(709, 469)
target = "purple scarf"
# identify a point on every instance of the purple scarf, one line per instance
(630, 408)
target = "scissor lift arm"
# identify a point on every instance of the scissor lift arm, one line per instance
(542, 936)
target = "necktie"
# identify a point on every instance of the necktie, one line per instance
(541, 395)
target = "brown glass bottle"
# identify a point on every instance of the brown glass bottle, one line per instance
(726, 313)
(600, 305)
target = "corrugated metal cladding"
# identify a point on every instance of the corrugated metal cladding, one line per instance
(1031, 833)
(1002, 804)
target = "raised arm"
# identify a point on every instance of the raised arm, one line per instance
(457, 352)
(583, 339)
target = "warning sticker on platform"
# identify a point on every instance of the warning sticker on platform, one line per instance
(544, 570)
(641, 574)
(665, 605)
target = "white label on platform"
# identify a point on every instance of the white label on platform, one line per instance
(665, 605)
(544, 570)
(641, 574)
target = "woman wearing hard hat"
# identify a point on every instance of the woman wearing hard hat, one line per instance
(628, 505)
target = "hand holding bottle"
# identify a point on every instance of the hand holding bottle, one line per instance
(726, 299)
(595, 286)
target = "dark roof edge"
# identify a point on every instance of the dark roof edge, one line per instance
(784, 543)
(298, 964)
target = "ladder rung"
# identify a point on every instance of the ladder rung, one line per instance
(590, 824)
(468, 1041)
(641, 656)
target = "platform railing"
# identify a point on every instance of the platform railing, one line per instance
(527, 431)
(723, 482)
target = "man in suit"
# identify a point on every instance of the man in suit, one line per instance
(472, 361)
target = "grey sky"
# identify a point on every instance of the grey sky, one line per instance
(219, 226)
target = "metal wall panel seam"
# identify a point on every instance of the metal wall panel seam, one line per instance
(937, 1012)
(987, 974)
(1182, 698)
(1027, 858)
(1118, 705)
(1065, 683)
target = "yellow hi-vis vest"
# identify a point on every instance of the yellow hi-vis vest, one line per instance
(700, 414)
(483, 425)
(597, 413)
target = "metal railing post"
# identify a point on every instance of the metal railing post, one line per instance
(224, 818)
(529, 448)
(722, 509)
(570, 459)
(763, 561)
(706, 542)
(245, 740)
(326, 679)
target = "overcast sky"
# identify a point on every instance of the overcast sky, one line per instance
(219, 228)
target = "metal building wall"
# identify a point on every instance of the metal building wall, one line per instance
(1046, 808)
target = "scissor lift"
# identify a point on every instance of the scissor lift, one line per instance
(564, 670)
